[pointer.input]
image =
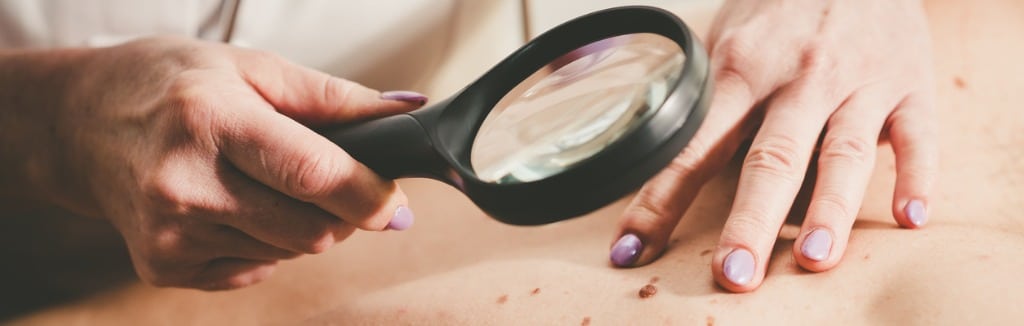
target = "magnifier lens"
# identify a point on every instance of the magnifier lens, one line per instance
(574, 107)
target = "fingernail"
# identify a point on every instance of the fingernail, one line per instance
(404, 96)
(626, 251)
(739, 267)
(817, 245)
(402, 219)
(915, 212)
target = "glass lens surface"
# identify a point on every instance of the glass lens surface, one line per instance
(575, 106)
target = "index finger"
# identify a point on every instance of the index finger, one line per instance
(771, 176)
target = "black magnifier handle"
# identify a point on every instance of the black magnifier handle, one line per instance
(393, 146)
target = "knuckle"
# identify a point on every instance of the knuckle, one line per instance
(831, 204)
(168, 193)
(746, 225)
(193, 106)
(335, 90)
(817, 58)
(774, 156)
(688, 163)
(313, 176)
(735, 51)
(168, 241)
(851, 149)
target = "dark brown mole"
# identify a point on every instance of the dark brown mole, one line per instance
(535, 291)
(959, 82)
(654, 279)
(705, 252)
(586, 321)
(503, 298)
(711, 320)
(648, 291)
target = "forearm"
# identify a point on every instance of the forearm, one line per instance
(32, 88)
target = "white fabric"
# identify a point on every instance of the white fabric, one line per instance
(348, 38)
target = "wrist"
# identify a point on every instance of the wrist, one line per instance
(34, 86)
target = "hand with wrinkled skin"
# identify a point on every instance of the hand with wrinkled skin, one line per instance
(198, 153)
(852, 72)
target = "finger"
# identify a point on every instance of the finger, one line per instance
(653, 214)
(232, 273)
(316, 98)
(276, 219)
(911, 128)
(226, 241)
(291, 159)
(845, 163)
(770, 178)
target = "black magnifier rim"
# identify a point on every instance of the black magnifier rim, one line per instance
(618, 169)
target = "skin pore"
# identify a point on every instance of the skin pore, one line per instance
(455, 265)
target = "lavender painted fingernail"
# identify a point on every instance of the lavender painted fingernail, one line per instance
(626, 251)
(817, 245)
(739, 267)
(404, 96)
(916, 212)
(402, 219)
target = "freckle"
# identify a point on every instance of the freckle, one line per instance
(711, 320)
(654, 279)
(503, 298)
(586, 321)
(868, 256)
(535, 291)
(959, 82)
(705, 252)
(648, 291)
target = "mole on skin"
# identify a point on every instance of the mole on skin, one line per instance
(648, 291)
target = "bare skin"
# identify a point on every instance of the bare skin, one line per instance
(456, 263)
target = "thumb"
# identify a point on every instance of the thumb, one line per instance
(312, 97)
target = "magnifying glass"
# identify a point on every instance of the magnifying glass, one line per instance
(574, 120)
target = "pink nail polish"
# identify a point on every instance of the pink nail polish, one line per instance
(404, 96)
(402, 219)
